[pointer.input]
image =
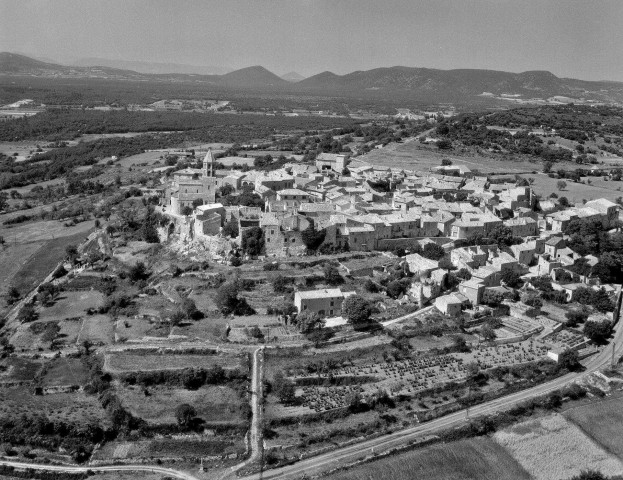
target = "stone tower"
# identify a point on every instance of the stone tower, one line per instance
(208, 164)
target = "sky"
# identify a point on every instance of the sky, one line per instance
(571, 38)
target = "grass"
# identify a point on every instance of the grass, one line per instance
(214, 404)
(20, 369)
(576, 192)
(41, 263)
(549, 448)
(74, 407)
(97, 329)
(120, 363)
(473, 459)
(603, 422)
(171, 448)
(71, 305)
(65, 371)
(12, 259)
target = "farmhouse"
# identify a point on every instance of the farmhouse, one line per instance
(326, 302)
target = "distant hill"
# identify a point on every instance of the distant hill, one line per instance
(152, 67)
(464, 85)
(256, 75)
(293, 77)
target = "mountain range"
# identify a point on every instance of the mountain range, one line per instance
(152, 67)
(431, 84)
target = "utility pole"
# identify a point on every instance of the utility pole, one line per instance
(612, 361)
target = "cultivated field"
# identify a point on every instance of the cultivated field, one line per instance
(473, 459)
(65, 371)
(121, 363)
(97, 329)
(216, 405)
(603, 422)
(576, 192)
(12, 259)
(72, 304)
(549, 448)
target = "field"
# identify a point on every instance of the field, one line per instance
(414, 156)
(603, 422)
(548, 449)
(12, 259)
(473, 459)
(44, 260)
(576, 192)
(97, 329)
(71, 407)
(120, 363)
(65, 371)
(216, 405)
(19, 369)
(72, 304)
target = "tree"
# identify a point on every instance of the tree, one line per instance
(396, 288)
(433, 251)
(563, 202)
(464, 274)
(532, 300)
(253, 241)
(590, 475)
(491, 297)
(13, 295)
(313, 238)
(561, 185)
(280, 284)
(284, 389)
(225, 190)
(138, 272)
(444, 144)
(446, 162)
(574, 317)
(569, 360)
(185, 415)
(503, 236)
(598, 331)
(332, 275)
(487, 332)
(71, 252)
(356, 309)
(228, 301)
(4, 197)
(189, 307)
(231, 229)
(511, 278)
(187, 211)
(28, 313)
(309, 321)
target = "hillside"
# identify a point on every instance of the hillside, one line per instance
(152, 67)
(464, 83)
(293, 77)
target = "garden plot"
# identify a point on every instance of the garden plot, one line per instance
(565, 340)
(68, 334)
(123, 363)
(65, 371)
(551, 447)
(137, 329)
(408, 376)
(97, 329)
(72, 304)
(216, 405)
(206, 329)
(134, 252)
(192, 449)
(34, 336)
(16, 369)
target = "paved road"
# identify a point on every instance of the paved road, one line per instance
(346, 455)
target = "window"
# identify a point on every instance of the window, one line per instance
(332, 303)
(293, 240)
(330, 312)
(304, 307)
(268, 239)
(272, 232)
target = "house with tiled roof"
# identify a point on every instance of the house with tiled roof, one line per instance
(325, 302)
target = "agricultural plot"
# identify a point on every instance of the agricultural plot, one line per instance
(97, 329)
(221, 447)
(16, 369)
(12, 259)
(45, 230)
(35, 335)
(576, 192)
(122, 363)
(132, 329)
(76, 407)
(603, 422)
(64, 371)
(206, 329)
(72, 304)
(409, 376)
(550, 447)
(68, 334)
(473, 459)
(216, 405)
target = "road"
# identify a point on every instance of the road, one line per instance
(113, 468)
(346, 455)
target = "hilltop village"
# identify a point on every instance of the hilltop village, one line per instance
(461, 241)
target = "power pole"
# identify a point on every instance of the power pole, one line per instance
(612, 361)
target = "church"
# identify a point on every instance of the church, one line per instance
(192, 185)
